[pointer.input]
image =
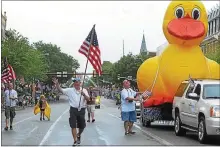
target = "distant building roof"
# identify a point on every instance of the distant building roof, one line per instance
(143, 46)
(152, 54)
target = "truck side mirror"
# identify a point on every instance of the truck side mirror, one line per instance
(193, 96)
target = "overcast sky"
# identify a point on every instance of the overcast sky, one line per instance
(67, 24)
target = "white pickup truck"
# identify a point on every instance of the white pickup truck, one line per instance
(196, 107)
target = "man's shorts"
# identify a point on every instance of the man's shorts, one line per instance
(129, 116)
(10, 112)
(90, 108)
(77, 118)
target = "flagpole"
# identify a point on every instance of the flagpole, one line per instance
(92, 36)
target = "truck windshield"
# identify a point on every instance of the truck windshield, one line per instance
(211, 91)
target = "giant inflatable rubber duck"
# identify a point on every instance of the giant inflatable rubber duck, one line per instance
(184, 26)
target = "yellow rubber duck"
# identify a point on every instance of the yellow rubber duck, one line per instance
(185, 26)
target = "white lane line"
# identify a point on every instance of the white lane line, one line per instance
(20, 121)
(52, 127)
(101, 137)
(32, 130)
(162, 141)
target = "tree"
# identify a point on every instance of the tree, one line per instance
(107, 67)
(25, 60)
(56, 60)
(127, 66)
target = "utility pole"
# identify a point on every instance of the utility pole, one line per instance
(123, 49)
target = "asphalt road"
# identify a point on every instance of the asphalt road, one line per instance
(107, 130)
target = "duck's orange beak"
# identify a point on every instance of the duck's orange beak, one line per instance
(186, 28)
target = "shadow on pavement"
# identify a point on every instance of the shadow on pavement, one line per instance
(162, 127)
(190, 135)
(211, 141)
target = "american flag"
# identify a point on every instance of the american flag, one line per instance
(8, 73)
(146, 94)
(93, 54)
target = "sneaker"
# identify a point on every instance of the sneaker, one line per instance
(74, 144)
(6, 128)
(78, 139)
(132, 132)
(11, 128)
(43, 118)
(93, 120)
(40, 119)
(88, 120)
(126, 133)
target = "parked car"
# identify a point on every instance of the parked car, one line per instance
(196, 107)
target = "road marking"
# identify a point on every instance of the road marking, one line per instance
(52, 127)
(160, 140)
(20, 121)
(32, 131)
(101, 137)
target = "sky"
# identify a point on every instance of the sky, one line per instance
(67, 24)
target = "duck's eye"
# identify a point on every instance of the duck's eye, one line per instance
(195, 14)
(179, 12)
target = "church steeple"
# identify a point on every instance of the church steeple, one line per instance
(143, 45)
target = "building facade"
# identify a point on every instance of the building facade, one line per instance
(4, 23)
(212, 40)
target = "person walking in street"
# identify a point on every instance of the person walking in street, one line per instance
(128, 113)
(42, 105)
(91, 105)
(77, 107)
(37, 95)
(10, 103)
(43, 108)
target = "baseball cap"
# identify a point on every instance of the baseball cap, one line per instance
(125, 81)
(76, 80)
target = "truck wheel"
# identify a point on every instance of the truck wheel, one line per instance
(179, 131)
(202, 134)
(142, 121)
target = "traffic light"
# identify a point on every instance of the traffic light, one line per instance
(94, 74)
(118, 76)
(129, 77)
(74, 74)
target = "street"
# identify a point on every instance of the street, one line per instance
(107, 130)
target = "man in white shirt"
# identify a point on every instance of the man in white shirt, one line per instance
(77, 107)
(10, 103)
(128, 111)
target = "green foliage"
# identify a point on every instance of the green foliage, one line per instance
(35, 60)
(107, 67)
(25, 60)
(55, 59)
(126, 66)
